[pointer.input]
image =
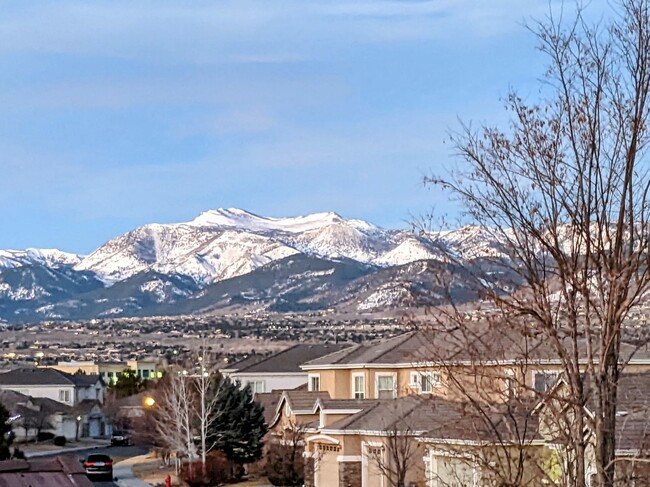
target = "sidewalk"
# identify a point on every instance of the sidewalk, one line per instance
(39, 450)
(123, 471)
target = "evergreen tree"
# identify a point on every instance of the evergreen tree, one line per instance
(128, 383)
(238, 425)
(6, 435)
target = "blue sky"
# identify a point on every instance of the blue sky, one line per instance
(119, 113)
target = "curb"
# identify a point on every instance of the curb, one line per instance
(63, 451)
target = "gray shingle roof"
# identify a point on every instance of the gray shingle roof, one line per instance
(288, 360)
(438, 418)
(304, 400)
(472, 342)
(45, 376)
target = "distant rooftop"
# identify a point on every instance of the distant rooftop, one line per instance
(46, 376)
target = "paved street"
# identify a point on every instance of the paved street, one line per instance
(117, 453)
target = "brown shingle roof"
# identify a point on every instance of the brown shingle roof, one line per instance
(437, 418)
(288, 360)
(269, 401)
(51, 472)
(475, 342)
(304, 400)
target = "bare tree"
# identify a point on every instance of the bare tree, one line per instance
(208, 386)
(397, 454)
(284, 462)
(564, 190)
(174, 411)
(35, 418)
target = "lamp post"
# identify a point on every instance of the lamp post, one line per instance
(76, 434)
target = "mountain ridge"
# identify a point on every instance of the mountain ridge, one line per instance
(158, 268)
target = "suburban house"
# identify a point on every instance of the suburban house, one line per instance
(110, 371)
(632, 426)
(280, 370)
(490, 365)
(424, 441)
(461, 413)
(30, 416)
(69, 389)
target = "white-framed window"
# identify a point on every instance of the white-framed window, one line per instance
(358, 385)
(64, 395)
(385, 385)
(256, 386)
(543, 380)
(430, 381)
(425, 382)
(314, 382)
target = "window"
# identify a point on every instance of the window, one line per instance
(256, 386)
(425, 382)
(64, 396)
(510, 384)
(110, 374)
(430, 381)
(314, 382)
(358, 386)
(145, 373)
(543, 381)
(386, 386)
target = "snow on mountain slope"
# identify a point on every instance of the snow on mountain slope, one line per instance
(204, 254)
(409, 250)
(471, 242)
(49, 257)
(224, 243)
(244, 220)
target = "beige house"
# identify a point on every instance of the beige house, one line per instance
(110, 371)
(490, 367)
(466, 406)
(632, 428)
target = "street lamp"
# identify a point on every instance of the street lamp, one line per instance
(76, 434)
(149, 401)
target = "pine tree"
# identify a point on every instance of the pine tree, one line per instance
(6, 435)
(238, 427)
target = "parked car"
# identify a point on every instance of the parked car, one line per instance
(98, 465)
(120, 438)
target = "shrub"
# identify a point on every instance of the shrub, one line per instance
(219, 470)
(44, 436)
(285, 465)
(59, 440)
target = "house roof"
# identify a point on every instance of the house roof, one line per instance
(474, 342)
(11, 400)
(304, 400)
(285, 361)
(269, 401)
(53, 472)
(43, 377)
(50, 405)
(435, 418)
(345, 404)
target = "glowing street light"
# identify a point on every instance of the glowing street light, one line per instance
(149, 401)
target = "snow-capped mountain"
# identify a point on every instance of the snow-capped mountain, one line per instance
(225, 243)
(48, 257)
(229, 258)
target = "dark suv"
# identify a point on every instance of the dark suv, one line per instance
(120, 438)
(99, 465)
